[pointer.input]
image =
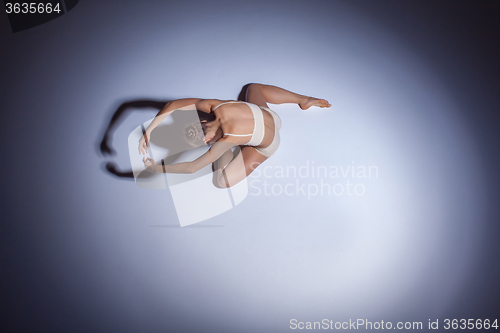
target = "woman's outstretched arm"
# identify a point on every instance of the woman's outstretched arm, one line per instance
(214, 153)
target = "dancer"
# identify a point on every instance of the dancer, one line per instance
(250, 126)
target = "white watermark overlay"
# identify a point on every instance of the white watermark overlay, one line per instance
(194, 195)
(368, 325)
(364, 324)
(311, 180)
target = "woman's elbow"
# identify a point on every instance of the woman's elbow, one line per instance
(192, 169)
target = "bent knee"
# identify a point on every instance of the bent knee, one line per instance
(254, 95)
(254, 86)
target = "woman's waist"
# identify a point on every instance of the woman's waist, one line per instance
(274, 115)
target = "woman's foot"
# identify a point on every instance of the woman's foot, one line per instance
(311, 101)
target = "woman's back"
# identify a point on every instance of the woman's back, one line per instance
(248, 122)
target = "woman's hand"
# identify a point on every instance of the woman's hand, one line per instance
(150, 164)
(144, 143)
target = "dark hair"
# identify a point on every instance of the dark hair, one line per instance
(195, 133)
(204, 116)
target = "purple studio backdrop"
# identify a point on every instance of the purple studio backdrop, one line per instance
(414, 88)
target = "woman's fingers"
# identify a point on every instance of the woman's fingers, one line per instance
(141, 144)
(143, 148)
(148, 161)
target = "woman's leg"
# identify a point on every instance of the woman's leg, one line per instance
(261, 94)
(220, 164)
(242, 165)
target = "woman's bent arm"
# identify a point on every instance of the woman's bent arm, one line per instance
(168, 109)
(216, 151)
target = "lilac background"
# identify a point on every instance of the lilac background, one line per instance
(414, 88)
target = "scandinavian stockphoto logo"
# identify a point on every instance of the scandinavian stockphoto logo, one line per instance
(179, 138)
(312, 179)
(25, 15)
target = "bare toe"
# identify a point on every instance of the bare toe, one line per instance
(323, 103)
(311, 101)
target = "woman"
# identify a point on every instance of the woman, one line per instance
(250, 125)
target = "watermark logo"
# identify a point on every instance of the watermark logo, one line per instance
(310, 180)
(180, 138)
(197, 197)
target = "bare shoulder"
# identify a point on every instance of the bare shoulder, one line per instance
(207, 105)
